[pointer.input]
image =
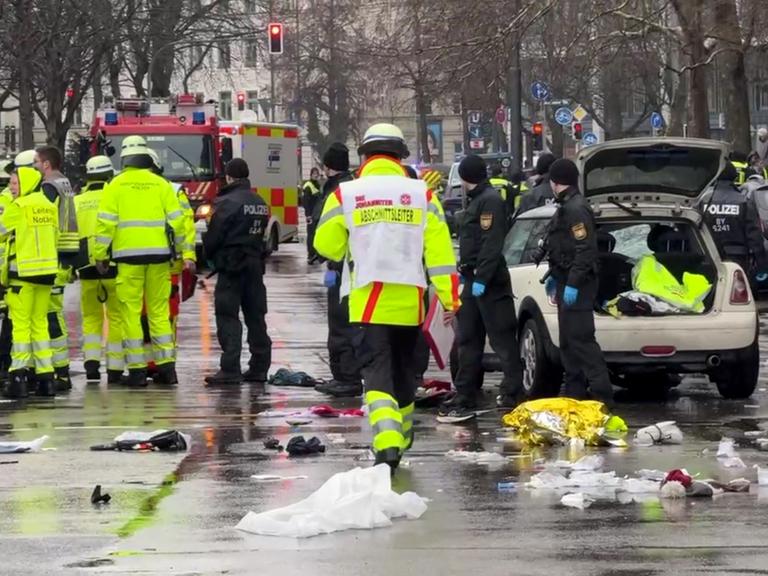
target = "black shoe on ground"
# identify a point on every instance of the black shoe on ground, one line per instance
(62, 380)
(17, 384)
(222, 378)
(455, 414)
(46, 385)
(92, 370)
(115, 377)
(166, 374)
(137, 378)
(339, 389)
(252, 375)
(509, 401)
(390, 457)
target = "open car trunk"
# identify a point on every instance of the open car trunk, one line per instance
(675, 244)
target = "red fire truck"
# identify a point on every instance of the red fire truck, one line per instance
(183, 130)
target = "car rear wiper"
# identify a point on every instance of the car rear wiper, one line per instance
(627, 209)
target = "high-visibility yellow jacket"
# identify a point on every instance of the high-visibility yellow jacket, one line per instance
(388, 303)
(140, 216)
(741, 168)
(32, 224)
(87, 207)
(188, 247)
(5, 199)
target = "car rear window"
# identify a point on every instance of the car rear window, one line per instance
(522, 240)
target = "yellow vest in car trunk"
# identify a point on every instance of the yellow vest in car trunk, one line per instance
(651, 277)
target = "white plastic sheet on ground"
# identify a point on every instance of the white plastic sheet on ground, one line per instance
(358, 499)
(22, 447)
(475, 457)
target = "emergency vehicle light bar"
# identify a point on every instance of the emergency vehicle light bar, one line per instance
(131, 105)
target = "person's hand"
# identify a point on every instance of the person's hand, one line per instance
(550, 287)
(448, 317)
(761, 276)
(102, 266)
(329, 278)
(190, 266)
(570, 295)
(478, 289)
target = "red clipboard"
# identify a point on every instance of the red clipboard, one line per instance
(439, 337)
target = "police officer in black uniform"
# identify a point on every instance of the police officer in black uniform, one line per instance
(235, 244)
(735, 225)
(541, 194)
(345, 368)
(487, 303)
(573, 261)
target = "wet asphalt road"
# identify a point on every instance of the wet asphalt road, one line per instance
(175, 513)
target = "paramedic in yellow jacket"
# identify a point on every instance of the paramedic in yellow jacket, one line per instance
(141, 220)
(391, 227)
(32, 223)
(97, 290)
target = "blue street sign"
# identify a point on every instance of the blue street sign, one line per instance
(540, 91)
(657, 121)
(475, 131)
(563, 116)
(589, 139)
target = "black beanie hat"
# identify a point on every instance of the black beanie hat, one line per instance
(472, 169)
(564, 172)
(729, 173)
(337, 157)
(544, 162)
(237, 169)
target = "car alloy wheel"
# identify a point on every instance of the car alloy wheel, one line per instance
(528, 356)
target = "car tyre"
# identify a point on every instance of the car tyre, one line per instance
(273, 243)
(738, 379)
(542, 378)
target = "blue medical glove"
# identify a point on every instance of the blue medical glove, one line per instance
(329, 278)
(761, 276)
(570, 295)
(478, 289)
(550, 286)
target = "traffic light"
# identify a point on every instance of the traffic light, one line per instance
(275, 32)
(578, 130)
(537, 136)
(241, 101)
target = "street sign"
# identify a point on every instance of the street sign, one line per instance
(563, 116)
(475, 116)
(475, 131)
(501, 115)
(476, 143)
(540, 91)
(657, 121)
(563, 102)
(579, 113)
(589, 139)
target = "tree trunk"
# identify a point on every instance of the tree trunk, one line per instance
(612, 90)
(733, 78)
(26, 92)
(698, 89)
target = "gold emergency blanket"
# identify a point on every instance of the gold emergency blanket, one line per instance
(558, 420)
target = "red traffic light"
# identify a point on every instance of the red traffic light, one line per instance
(70, 93)
(538, 128)
(275, 30)
(578, 130)
(241, 101)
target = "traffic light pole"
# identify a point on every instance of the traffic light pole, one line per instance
(515, 99)
(271, 88)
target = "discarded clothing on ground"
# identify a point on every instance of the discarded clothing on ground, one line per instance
(358, 499)
(649, 276)
(635, 303)
(298, 446)
(660, 433)
(321, 410)
(98, 498)
(285, 377)
(273, 444)
(557, 420)
(157, 441)
(22, 447)
(432, 393)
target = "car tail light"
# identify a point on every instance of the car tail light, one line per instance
(740, 289)
(658, 351)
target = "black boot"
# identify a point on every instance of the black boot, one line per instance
(63, 381)
(92, 370)
(17, 384)
(390, 457)
(46, 385)
(166, 374)
(222, 378)
(339, 389)
(252, 375)
(115, 377)
(5, 365)
(137, 378)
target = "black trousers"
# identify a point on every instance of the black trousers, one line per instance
(580, 354)
(345, 366)
(6, 343)
(244, 290)
(311, 227)
(386, 354)
(492, 314)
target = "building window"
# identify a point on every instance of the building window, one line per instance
(252, 100)
(225, 105)
(251, 53)
(761, 96)
(225, 55)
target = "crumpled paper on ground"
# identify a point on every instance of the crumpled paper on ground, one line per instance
(358, 499)
(22, 447)
(557, 420)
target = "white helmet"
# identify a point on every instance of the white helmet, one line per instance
(98, 165)
(384, 139)
(155, 158)
(133, 145)
(25, 158)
